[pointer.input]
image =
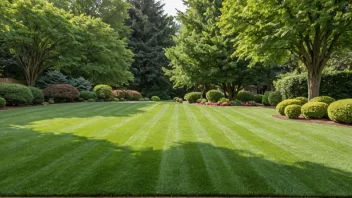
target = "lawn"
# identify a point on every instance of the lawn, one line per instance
(169, 149)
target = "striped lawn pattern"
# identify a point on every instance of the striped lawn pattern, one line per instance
(169, 149)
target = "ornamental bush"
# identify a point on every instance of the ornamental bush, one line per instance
(223, 100)
(214, 95)
(313, 110)
(236, 103)
(274, 98)
(293, 111)
(265, 100)
(103, 92)
(341, 111)
(155, 98)
(61, 92)
(16, 94)
(135, 95)
(326, 99)
(2, 102)
(81, 84)
(303, 100)
(258, 98)
(91, 100)
(245, 96)
(86, 95)
(192, 97)
(38, 95)
(128, 95)
(280, 108)
(119, 94)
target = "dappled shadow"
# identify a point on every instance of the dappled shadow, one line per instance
(49, 164)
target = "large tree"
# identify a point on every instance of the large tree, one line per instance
(271, 30)
(152, 31)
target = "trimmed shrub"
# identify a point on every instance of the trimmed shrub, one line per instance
(293, 111)
(245, 96)
(2, 102)
(38, 95)
(45, 103)
(280, 108)
(135, 95)
(91, 100)
(341, 111)
(80, 99)
(258, 98)
(146, 99)
(274, 98)
(16, 94)
(192, 97)
(313, 110)
(103, 92)
(155, 98)
(128, 95)
(223, 100)
(61, 92)
(303, 100)
(141, 99)
(326, 99)
(51, 101)
(115, 99)
(119, 94)
(236, 103)
(214, 95)
(86, 95)
(122, 100)
(265, 100)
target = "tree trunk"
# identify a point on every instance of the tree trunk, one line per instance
(224, 88)
(314, 79)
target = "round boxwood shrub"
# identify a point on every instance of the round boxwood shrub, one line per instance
(214, 95)
(293, 111)
(280, 108)
(38, 95)
(16, 94)
(135, 95)
(265, 100)
(2, 102)
(86, 95)
(103, 92)
(245, 96)
(61, 92)
(155, 98)
(274, 98)
(341, 111)
(192, 97)
(326, 99)
(303, 100)
(119, 94)
(315, 110)
(258, 98)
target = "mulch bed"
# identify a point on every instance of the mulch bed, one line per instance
(316, 121)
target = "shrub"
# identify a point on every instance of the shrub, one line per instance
(245, 96)
(274, 98)
(293, 111)
(128, 95)
(265, 100)
(280, 108)
(45, 103)
(315, 110)
(303, 100)
(16, 94)
(252, 103)
(223, 100)
(38, 95)
(341, 111)
(135, 95)
(51, 78)
(119, 94)
(81, 84)
(80, 99)
(86, 95)
(115, 99)
(51, 101)
(146, 99)
(91, 100)
(61, 92)
(192, 97)
(258, 98)
(236, 103)
(180, 100)
(155, 98)
(122, 100)
(2, 102)
(141, 99)
(214, 95)
(103, 92)
(326, 99)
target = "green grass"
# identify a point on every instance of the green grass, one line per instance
(169, 149)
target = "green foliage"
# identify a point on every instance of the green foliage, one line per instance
(280, 108)
(51, 101)
(80, 99)
(45, 103)
(236, 103)
(51, 78)
(293, 111)
(61, 92)
(2, 102)
(128, 96)
(326, 99)
(223, 100)
(258, 98)
(141, 99)
(86, 95)
(103, 92)
(214, 95)
(245, 96)
(115, 99)
(303, 100)
(274, 98)
(265, 100)
(38, 95)
(155, 98)
(91, 100)
(192, 97)
(135, 95)
(16, 94)
(146, 99)
(314, 110)
(341, 111)
(81, 84)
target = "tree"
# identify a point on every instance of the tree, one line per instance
(272, 30)
(152, 31)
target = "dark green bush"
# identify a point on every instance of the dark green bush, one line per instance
(115, 99)
(265, 100)
(341, 111)
(61, 92)
(214, 95)
(38, 95)
(86, 95)
(258, 98)
(80, 99)
(326, 99)
(16, 94)
(51, 101)
(280, 108)
(128, 96)
(293, 111)
(51, 78)
(313, 110)
(103, 92)
(155, 98)
(2, 102)
(274, 98)
(236, 103)
(303, 100)
(81, 84)
(192, 97)
(91, 100)
(245, 96)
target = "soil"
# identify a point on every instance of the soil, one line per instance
(316, 121)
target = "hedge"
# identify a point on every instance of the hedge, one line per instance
(192, 97)
(258, 98)
(61, 92)
(245, 96)
(337, 85)
(214, 95)
(16, 94)
(315, 110)
(2, 102)
(38, 95)
(265, 100)
(280, 108)
(341, 111)
(274, 98)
